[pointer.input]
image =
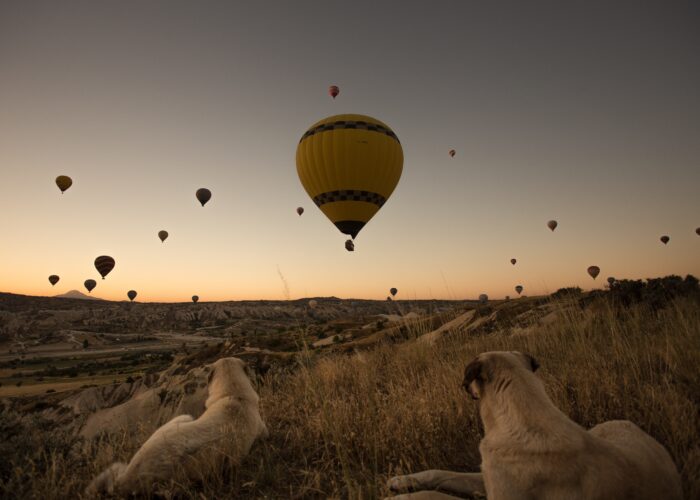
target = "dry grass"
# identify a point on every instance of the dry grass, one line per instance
(341, 425)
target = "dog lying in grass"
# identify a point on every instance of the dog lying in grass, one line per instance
(184, 446)
(531, 450)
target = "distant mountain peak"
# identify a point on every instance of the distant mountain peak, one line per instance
(75, 294)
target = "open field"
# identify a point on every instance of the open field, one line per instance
(342, 420)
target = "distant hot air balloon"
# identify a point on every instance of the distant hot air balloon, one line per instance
(393, 292)
(594, 271)
(507, 297)
(131, 294)
(483, 298)
(665, 239)
(333, 91)
(552, 224)
(313, 303)
(388, 298)
(611, 280)
(53, 279)
(513, 261)
(195, 298)
(104, 264)
(300, 210)
(349, 165)
(697, 231)
(349, 246)
(90, 284)
(163, 235)
(519, 289)
(203, 195)
(63, 182)
(453, 153)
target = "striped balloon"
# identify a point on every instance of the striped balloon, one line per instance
(349, 165)
(90, 284)
(104, 264)
(333, 91)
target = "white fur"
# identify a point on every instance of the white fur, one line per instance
(531, 450)
(231, 422)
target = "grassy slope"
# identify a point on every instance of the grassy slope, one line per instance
(341, 425)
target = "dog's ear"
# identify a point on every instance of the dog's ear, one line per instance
(534, 364)
(473, 378)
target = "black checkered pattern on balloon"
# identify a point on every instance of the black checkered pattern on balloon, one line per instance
(349, 195)
(347, 124)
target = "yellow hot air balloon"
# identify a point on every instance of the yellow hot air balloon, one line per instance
(349, 165)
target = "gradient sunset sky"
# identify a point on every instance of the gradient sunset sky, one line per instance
(585, 112)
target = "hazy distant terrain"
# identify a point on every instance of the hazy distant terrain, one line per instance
(352, 391)
(54, 343)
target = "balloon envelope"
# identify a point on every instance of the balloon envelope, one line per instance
(611, 280)
(63, 182)
(53, 279)
(665, 239)
(163, 235)
(131, 294)
(519, 289)
(104, 265)
(349, 165)
(195, 298)
(483, 298)
(300, 210)
(594, 271)
(393, 292)
(452, 153)
(697, 231)
(203, 195)
(90, 284)
(552, 224)
(333, 91)
(513, 261)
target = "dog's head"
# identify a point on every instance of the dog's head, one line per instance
(227, 377)
(495, 369)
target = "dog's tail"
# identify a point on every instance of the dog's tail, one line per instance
(107, 481)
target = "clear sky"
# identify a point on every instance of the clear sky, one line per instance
(587, 112)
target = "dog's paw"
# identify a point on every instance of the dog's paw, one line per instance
(402, 483)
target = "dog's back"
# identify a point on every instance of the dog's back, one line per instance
(651, 469)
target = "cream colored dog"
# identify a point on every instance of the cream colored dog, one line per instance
(531, 450)
(228, 427)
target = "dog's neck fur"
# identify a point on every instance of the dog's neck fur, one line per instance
(518, 405)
